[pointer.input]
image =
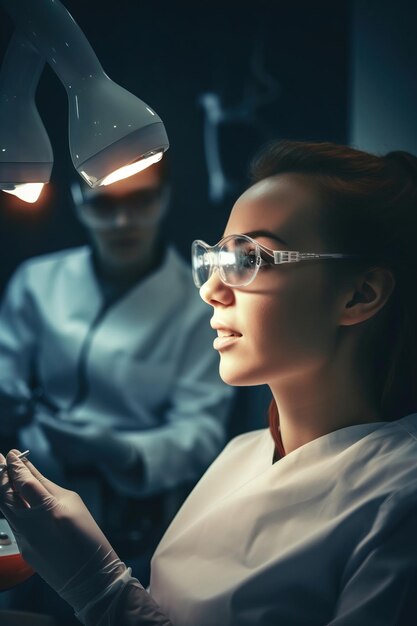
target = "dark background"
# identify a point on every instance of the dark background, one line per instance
(169, 54)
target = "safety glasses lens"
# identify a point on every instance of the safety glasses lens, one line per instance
(238, 261)
(201, 263)
(236, 258)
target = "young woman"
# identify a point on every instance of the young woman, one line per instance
(313, 521)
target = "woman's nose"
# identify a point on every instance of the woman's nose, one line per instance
(214, 291)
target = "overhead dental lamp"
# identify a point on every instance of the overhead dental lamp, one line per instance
(26, 157)
(112, 133)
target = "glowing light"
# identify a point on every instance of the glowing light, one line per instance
(29, 192)
(86, 177)
(132, 168)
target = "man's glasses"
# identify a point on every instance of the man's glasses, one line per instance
(239, 257)
(140, 208)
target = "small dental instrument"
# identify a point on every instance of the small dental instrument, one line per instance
(22, 455)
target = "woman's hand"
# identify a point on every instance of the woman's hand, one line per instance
(55, 532)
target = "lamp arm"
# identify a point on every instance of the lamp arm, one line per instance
(21, 68)
(51, 29)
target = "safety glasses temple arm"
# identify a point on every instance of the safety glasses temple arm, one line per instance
(292, 256)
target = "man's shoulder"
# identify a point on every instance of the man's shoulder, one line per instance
(52, 261)
(177, 263)
(179, 274)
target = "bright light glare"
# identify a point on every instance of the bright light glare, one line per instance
(29, 192)
(132, 168)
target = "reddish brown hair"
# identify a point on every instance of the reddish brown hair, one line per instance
(370, 209)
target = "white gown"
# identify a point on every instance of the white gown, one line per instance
(325, 536)
(144, 366)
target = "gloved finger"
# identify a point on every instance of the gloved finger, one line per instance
(8, 497)
(50, 486)
(25, 483)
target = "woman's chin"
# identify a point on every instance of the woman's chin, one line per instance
(234, 376)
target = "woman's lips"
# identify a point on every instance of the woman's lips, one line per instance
(223, 342)
(225, 338)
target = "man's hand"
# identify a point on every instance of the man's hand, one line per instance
(86, 444)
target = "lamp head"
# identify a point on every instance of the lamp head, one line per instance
(25, 151)
(112, 133)
(26, 157)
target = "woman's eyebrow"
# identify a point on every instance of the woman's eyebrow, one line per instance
(265, 233)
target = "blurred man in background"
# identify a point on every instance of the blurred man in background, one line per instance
(107, 372)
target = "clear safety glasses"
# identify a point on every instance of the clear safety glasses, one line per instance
(239, 257)
(141, 208)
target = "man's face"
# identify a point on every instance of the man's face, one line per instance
(123, 220)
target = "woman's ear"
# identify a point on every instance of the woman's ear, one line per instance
(368, 296)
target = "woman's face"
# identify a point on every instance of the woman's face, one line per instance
(285, 321)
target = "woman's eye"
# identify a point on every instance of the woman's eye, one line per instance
(250, 260)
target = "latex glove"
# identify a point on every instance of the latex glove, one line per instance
(54, 530)
(86, 444)
(14, 413)
(58, 537)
